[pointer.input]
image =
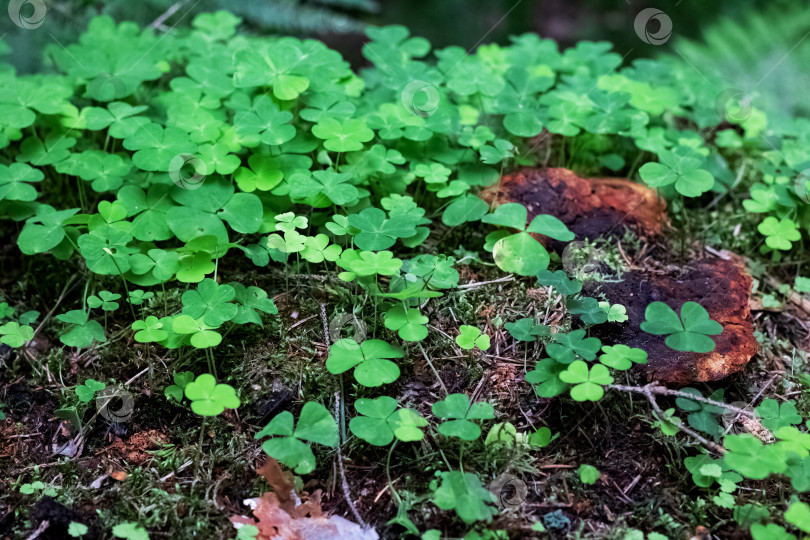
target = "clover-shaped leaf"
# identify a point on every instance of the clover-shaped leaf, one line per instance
(251, 300)
(105, 300)
(748, 456)
(277, 64)
(775, 415)
(371, 360)
(330, 186)
(368, 263)
(342, 135)
(622, 357)
(690, 332)
(470, 337)
(779, 234)
(679, 169)
(702, 416)
(409, 323)
(568, 347)
(378, 232)
(86, 391)
(139, 296)
(155, 146)
(317, 249)
(149, 330)
(614, 312)
(463, 210)
(211, 302)
(527, 329)
(315, 424)
(587, 382)
(463, 492)
(13, 182)
(546, 377)
(559, 280)
(521, 253)
(381, 421)
(202, 335)
(457, 408)
(81, 331)
(15, 335)
(177, 390)
(209, 398)
(588, 309)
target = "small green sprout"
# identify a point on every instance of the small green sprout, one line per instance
(87, 391)
(588, 474)
(105, 300)
(470, 337)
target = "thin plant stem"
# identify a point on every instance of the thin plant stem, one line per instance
(434, 369)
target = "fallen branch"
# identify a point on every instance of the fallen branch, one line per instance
(656, 388)
(649, 391)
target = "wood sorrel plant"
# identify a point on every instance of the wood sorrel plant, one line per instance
(216, 145)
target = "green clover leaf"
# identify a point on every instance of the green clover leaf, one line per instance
(209, 398)
(683, 171)
(463, 492)
(342, 136)
(105, 300)
(15, 335)
(370, 360)
(775, 415)
(622, 357)
(527, 329)
(587, 382)
(409, 323)
(13, 182)
(690, 332)
(315, 424)
(457, 408)
(86, 391)
(149, 330)
(277, 64)
(211, 302)
(470, 337)
(81, 331)
(378, 232)
(568, 347)
(559, 280)
(381, 421)
(546, 377)
(779, 234)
